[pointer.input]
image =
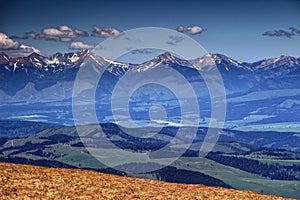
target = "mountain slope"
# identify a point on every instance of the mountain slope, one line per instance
(25, 181)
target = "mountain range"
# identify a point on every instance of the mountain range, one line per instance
(39, 88)
(38, 72)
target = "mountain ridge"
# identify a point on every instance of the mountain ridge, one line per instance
(59, 58)
(44, 72)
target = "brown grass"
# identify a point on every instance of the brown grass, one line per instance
(31, 182)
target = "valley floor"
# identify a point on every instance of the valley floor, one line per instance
(32, 182)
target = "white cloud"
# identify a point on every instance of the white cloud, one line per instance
(62, 33)
(65, 28)
(190, 30)
(52, 32)
(80, 45)
(7, 43)
(13, 48)
(105, 32)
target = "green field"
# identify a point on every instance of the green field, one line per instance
(239, 179)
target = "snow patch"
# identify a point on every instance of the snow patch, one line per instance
(74, 58)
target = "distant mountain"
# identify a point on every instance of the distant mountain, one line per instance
(277, 66)
(11, 129)
(278, 73)
(35, 73)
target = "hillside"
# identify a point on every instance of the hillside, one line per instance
(28, 182)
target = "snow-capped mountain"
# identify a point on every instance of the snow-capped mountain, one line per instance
(45, 72)
(277, 66)
(163, 59)
(217, 59)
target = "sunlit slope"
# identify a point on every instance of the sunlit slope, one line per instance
(28, 182)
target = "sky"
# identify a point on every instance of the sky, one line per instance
(243, 30)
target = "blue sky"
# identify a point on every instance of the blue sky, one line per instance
(233, 28)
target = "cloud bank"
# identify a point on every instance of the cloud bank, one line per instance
(283, 33)
(80, 46)
(66, 33)
(13, 48)
(61, 33)
(105, 32)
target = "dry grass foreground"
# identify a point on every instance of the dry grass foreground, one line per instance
(31, 182)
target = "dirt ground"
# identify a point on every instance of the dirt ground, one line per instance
(31, 182)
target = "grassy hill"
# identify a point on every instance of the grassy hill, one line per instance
(28, 182)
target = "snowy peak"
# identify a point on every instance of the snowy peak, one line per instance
(166, 57)
(218, 59)
(163, 59)
(68, 58)
(205, 60)
(273, 63)
(36, 59)
(221, 61)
